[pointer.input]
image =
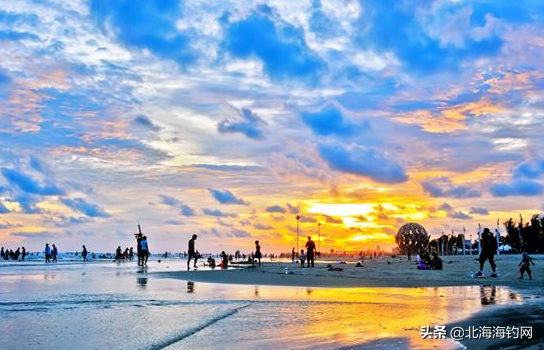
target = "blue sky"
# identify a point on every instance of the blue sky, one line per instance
(226, 119)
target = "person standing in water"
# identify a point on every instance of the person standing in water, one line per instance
(489, 247)
(310, 252)
(191, 252)
(258, 254)
(145, 250)
(84, 253)
(54, 253)
(47, 252)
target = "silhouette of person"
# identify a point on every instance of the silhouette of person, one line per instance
(310, 252)
(258, 254)
(525, 265)
(54, 253)
(191, 252)
(145, 250)
(489, 247)
(84, 253)
(224, 260)
(47, 252)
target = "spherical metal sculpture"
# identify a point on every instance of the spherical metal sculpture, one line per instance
(412, 237)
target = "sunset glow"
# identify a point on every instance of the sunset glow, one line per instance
(232, 118)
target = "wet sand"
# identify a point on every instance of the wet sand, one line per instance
(378, 272)
(397, 272)
(530, 314)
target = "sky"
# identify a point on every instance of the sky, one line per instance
(226, 119)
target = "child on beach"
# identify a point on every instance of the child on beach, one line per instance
(524, 263)
(302, 258)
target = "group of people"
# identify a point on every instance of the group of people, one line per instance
(309, 256)
(426, 261)
(194, 255)
(6, 254)
(489, 247)
(51, 253)
(487, 253)
(127, 254)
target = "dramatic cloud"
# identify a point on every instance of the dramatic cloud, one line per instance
(416, 45)
(131, 24)
(260, 226)
(330, 120)
(89, 209)
(529, 170)
(240, 233)
(452, 213)
(442, 187)
(276, 209)
(307, 219)
(279, 45)
(218, 213)
(480, 211)
(370, 111)
(30, 185)
(517, 188)
(362, 161)
(245, 122)
(146, 123)
(187, 210)
(168, 200)
(3, 209)
(226, 197)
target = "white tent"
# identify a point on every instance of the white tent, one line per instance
(505, 248)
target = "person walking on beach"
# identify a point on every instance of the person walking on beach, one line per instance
(524, 263)
(258, 254)
(310, 251)
(145, 250)
(489, 247)
(84, 253)
(54, 253)
(191, 252)
(47, 252)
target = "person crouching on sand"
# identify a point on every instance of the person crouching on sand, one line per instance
(524, 263)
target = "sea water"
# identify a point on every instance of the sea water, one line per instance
(105, 305)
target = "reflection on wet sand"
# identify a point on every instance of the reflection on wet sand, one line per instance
(360, 317)
(190, 287)
(487, 294)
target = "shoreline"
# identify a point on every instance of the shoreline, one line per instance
(385, 272)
